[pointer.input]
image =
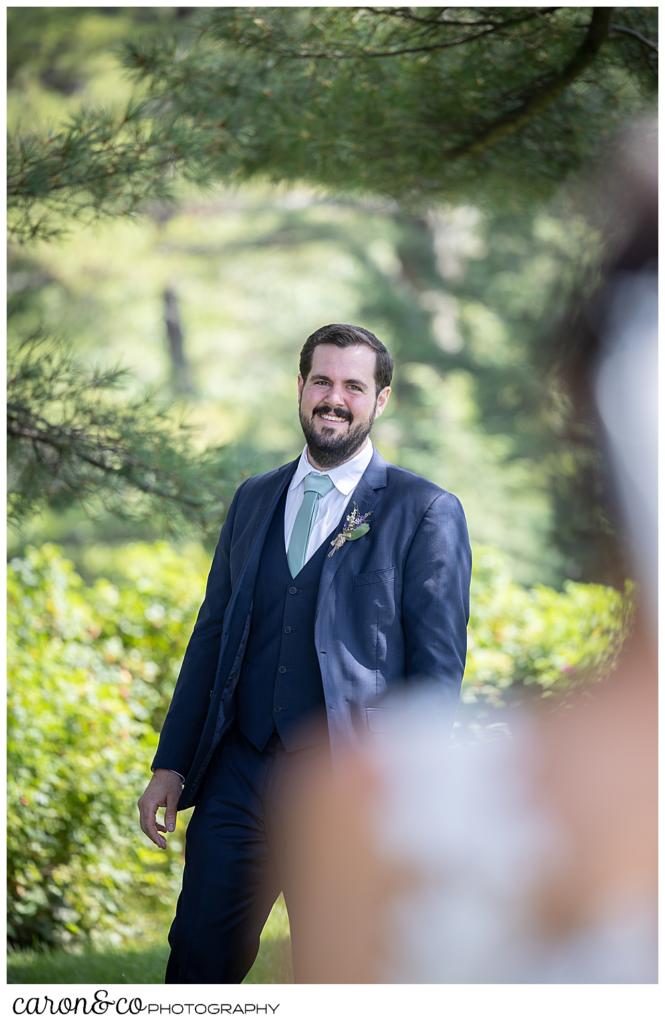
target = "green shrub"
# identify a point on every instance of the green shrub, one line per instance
(91, 670)
(526, 641)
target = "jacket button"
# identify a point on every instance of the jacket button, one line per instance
(288, 629)
(293, 590)
(282, 669)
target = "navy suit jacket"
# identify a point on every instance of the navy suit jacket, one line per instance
(392, 608)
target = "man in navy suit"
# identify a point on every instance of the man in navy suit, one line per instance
(336, 579)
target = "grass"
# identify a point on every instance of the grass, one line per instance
(143, 962)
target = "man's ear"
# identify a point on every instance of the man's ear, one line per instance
(301, 384)
(382, 400)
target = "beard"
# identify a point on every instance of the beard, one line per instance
(328, 447)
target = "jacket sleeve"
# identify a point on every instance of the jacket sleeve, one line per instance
(191, 698)
(435, 596)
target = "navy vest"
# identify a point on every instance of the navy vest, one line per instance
(280, 687)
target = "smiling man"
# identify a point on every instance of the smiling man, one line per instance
(337, 412)
(336, 579)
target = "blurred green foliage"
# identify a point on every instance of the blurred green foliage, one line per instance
(529, 642)
(91, 671)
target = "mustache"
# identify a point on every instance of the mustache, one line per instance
(323, 410)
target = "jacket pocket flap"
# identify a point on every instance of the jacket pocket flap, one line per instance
(380, 719)
(375, 576)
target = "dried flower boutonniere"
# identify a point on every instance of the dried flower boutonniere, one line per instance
(355, 526)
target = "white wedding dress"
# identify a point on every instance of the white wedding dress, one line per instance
(465, 822)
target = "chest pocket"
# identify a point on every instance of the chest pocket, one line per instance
(364, 579)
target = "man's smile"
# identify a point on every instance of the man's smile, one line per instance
(330, 416)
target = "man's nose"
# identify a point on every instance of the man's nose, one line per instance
(335, 395)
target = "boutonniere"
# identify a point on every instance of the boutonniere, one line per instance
(355, 526)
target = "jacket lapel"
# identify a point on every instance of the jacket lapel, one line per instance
(241, 599)
(262, 518)
(365, 497)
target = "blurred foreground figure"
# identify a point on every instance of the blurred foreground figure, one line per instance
(528, 855)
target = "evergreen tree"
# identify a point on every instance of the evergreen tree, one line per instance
(421, 104)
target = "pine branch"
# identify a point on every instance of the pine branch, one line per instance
(100, 162)
(102, 452)
(405, 14)
(511, 121)
(493, 27)
(637, 35)
(66, 439)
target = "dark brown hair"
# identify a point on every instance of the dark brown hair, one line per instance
(344, 335)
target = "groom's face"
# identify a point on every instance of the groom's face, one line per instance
(338, 402)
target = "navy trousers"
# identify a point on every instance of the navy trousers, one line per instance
(231, 876)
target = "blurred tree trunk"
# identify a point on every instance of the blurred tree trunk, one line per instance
(181, 378)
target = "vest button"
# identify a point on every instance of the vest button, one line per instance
(282, 669)
(288, 629)
(293, 590)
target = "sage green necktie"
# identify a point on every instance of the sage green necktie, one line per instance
(317, 485)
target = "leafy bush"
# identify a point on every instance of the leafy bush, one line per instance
(92, 668)
(526, 641)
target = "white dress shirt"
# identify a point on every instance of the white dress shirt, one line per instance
(345, 478)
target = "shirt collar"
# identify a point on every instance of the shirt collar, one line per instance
(345, 477)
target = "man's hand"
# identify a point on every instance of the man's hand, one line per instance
(163, 790)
